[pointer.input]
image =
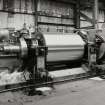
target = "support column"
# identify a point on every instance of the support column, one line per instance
(77, 13)
(95, 14)
(36, 15)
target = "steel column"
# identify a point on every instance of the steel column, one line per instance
(36, 14)
(95, 14)
(77, 12)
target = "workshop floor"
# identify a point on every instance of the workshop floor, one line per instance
(83, 92)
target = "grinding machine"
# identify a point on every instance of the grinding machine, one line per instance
(42, 53)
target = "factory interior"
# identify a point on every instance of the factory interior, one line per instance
(52, 52)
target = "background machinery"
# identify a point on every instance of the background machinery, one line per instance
(41, 53)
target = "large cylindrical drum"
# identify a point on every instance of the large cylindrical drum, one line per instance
(64, 47)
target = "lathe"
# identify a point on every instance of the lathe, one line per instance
(42, 53)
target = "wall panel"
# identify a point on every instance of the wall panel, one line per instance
(1, 4)
(16, 20)
(20, 19)
(3, 20)
(88, 12)
(53, 15)
(56, 8)
(101, 16)
(60, 14)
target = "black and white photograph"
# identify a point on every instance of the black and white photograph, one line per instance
(52, 52)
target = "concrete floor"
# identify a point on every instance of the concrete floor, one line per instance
(83, 92)
(87, 92)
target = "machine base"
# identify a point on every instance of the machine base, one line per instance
(59, 76)
(69, 74)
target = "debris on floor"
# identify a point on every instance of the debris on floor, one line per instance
(97, 78)
(44, 90)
